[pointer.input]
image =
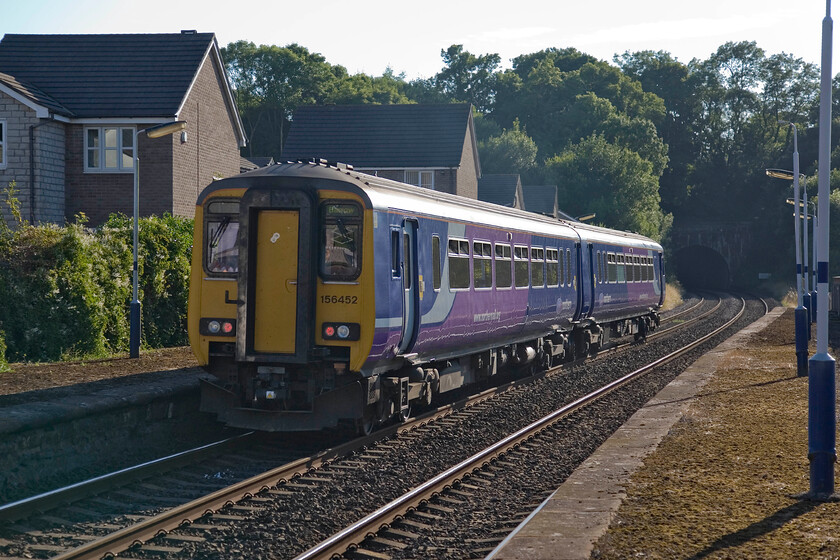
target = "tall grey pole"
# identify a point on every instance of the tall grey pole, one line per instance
(821, 384)
(800, 327)
(134, 310)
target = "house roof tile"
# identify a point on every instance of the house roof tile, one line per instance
(100, 76)
(498, 188)
(380, 136)
(541, 199)
(34, 94)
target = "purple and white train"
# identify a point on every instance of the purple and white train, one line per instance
(322, 296)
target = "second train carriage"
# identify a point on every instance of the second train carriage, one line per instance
(321, 295)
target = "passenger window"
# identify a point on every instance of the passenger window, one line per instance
(503, 260)
(459, 264)
(551, 268)
(482, 265)
(520, 266)
(612, 269)
(221, 231)
(537, 267)
(436, 262)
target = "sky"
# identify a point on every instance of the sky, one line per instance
(368, 36)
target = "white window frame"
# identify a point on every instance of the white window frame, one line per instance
(101, 150)
(4, 133)
(425, 178)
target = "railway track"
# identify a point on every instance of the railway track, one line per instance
(256, 496)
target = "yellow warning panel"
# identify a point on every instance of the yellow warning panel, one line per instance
(275, 294)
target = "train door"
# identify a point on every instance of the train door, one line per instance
(276, 276)
(275, 290)
(660, 280)
(411, 289)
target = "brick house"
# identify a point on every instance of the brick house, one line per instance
(428, 145)
(70, 106)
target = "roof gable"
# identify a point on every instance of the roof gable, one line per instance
(541, 199)
(381, 136)
(108, 76)
(32, 97)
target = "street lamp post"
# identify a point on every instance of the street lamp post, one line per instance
(134, 314)
(822, 424)
(800, 328)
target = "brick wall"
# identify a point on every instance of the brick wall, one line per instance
(211, 149)
(467, 177)
(49, 162)
(101, 194)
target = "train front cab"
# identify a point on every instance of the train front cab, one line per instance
(289, 302)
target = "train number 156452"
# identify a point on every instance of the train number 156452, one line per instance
(347, 300)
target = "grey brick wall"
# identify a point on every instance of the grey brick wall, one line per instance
(49, 162)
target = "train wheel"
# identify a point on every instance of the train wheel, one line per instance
(369, 421)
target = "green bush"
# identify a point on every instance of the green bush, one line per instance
(66, 290)
(165, 250)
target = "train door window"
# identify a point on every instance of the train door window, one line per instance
(503, 264)
(459, 264)
(341, 241)
(650, 269)
(561, 267)
(395, 254)
(520, 266)
(605, 267)
(568, 267)
(436, 262)
(637, 270)
(221, 229)
(621, 269)
(599, 275)
(537, 267)
(407, 251)
(482, 265)
(552, 277)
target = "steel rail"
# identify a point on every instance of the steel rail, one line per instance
(189, 512)
(14, 511)
(351, 536)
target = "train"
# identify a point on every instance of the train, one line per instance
(325, 298)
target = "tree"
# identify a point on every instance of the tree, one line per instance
(512, 151)
(616, 183)
(468, 78)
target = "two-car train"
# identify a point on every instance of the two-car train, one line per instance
(322, 296)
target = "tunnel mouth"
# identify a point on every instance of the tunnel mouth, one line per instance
(699, 267)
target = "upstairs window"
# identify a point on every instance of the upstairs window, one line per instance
(109, 149)
(420, 178)
(2, 144)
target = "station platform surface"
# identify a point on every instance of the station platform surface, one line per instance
(586, 517)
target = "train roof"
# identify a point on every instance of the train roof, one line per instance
(385, 194)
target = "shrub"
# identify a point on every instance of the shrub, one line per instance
(66, 290)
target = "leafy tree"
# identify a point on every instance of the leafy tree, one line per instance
(616, 183)
(512, 151)
(468, 78)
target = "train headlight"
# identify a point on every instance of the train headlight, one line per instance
(341, 331)
(217, 327)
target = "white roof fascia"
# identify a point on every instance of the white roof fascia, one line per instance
(40, 111)
(228, 92)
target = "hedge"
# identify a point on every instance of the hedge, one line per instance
(65, 291)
